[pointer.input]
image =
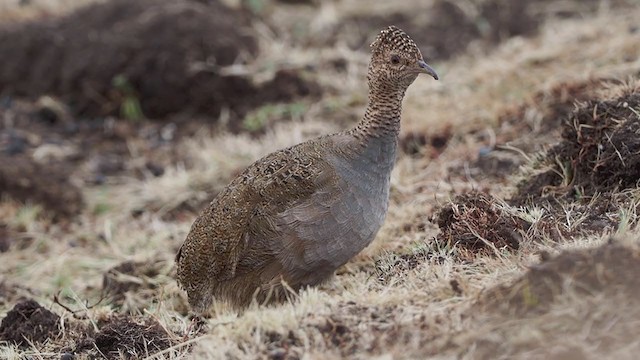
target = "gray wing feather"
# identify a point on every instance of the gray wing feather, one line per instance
(328, 229)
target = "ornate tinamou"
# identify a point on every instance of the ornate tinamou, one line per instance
(298, 214)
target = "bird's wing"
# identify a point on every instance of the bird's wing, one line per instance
(318, 233)
(283, 201)
(326, 229)
(222, 232)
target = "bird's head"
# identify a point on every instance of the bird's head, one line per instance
(396, 60)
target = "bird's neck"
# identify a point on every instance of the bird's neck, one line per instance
(382, 116)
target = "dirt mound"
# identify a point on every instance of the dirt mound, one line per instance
(487, 21)
(24, 180)
(339, 332)
(599, 153)
(148, 57)
(580, 183)
(582, 301)
(609, 269)
(124, 336)
(29, 320)
(154, 47)
(476, 221)
(527, 127)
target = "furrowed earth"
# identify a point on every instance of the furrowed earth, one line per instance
(512, 226)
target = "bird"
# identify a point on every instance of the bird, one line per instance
(291, 218)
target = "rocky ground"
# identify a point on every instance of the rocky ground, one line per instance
(512, 228)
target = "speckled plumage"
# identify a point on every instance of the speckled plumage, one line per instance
(298, 214)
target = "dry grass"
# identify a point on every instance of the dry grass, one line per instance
(407, 295)
(20, 10)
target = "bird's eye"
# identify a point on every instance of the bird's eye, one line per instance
(395, 59)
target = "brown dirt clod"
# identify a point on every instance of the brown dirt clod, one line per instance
(29, 320)
(474, 220)
(124, 336)
(609, 269)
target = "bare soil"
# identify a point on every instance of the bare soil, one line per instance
(28, 321)
(419, 144)
(126, 337)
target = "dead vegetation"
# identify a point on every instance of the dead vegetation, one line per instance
(599, 152)
(490, 249)
(580, 185)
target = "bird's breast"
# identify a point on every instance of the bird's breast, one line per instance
(364, 181)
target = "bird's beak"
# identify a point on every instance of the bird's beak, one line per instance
(426, 69)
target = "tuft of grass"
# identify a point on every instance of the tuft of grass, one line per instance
(130, 108)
